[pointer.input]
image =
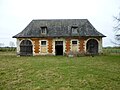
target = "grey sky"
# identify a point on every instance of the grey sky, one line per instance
(15, 15)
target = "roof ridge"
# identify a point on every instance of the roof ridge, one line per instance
(56, 19)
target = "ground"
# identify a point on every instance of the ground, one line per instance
(59, 72)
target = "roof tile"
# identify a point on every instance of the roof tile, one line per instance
(59, 28)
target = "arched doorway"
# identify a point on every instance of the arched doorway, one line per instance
(92, 46)
(26, 47)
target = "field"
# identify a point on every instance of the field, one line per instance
(59, 72)
(111, 51)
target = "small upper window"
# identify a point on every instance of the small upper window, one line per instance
(74, 30)
(43, 43)
(74, 42)
(43, 30)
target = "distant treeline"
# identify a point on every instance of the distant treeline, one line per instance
(7, 49)
(111, 47)
(111, 50)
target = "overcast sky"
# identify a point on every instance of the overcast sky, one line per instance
(15, 15)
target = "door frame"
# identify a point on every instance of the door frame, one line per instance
(58, 44)
(59, 39)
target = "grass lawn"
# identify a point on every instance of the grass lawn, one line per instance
(59, 73)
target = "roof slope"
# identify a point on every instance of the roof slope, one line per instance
(58, 28)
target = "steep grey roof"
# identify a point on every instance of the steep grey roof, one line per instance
(59, 28)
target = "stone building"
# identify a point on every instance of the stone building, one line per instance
(58, 36)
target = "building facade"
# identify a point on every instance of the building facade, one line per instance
(59, 37)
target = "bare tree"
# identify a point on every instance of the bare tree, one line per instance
(117, 30)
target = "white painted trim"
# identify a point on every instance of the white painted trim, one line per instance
(100, 46)
(58, 39)
(41, 46)
(78, 43)
(18, 46)
(84, 45)
(33, 43)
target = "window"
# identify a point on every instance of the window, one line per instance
(75, 30)
(43, 43)
(43, 48)
(43, 30)
(74, 46)
(74, 42)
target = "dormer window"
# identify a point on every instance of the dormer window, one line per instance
(43, 30)
(74, 29)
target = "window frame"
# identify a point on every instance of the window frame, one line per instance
(74, 29)
(44, 30)
(76, 45)
(44, 44)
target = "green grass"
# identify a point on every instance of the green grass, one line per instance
(59, 73)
